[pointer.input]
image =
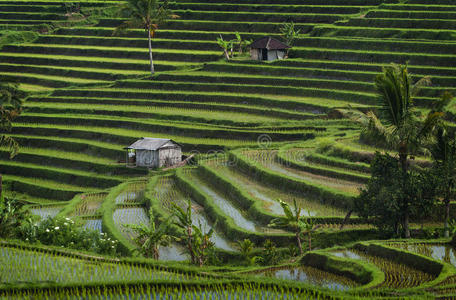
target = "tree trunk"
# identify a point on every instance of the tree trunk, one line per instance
(347, 217)
(447, 216)
(406, 223)
(403, 161)
(152, 69)
(156, 253)
(298, 239)
(310, 241)
(190, 245)
(1, 187)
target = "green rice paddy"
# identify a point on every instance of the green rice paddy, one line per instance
(261, 131)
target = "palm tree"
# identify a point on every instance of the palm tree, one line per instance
(398, 126)
(246, 247)
(291, 220)
(10, 108)
(147, 14)
(12, 216)
(443, 152)
(152, 237)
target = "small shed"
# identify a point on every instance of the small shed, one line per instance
(154, 153)
(268, 48)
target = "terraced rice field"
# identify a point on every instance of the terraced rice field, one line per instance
(443, 253)
(44, 212)
(168, 194)
(130, 215)
(90, 94)
(269, 195)
(311, 276)
(32, 266)
(397, 275)
(89, 204)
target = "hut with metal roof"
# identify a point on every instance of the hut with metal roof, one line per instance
(268, 48)
(154, 153)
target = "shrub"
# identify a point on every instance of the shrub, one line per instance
(66, 233)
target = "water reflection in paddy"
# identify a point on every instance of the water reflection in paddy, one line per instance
(443, 253)
(312, 276)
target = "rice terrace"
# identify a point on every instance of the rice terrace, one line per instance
(228, 149)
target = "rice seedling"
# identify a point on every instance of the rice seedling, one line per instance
(134, 193)
(35, 266)
(208, 291)
(45, 212)
(190, 115)
(227, 207)
(216, 142)
(268, 194)
(312, 276)
(168, 193)
(443, 253)
(95, 224)
(89, 204)
(397, 275)
(268, 158)
(130, 215)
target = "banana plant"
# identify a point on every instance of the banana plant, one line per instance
(203, 246)
(226, 46)
(291, 220)
(184, 221)
(152, 237)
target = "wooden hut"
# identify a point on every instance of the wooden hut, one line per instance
(268, 48)
(154, 153)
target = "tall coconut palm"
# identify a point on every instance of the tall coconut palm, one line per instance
(10, 107)
(147, 14)
(152, 237)
(443, 151)
(398, 124)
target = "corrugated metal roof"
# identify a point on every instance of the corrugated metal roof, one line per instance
(269, 43)
(146, 143)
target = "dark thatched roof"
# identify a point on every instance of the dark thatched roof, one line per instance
(269, 43)
(150, 144)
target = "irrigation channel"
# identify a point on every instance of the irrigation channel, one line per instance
(268, 195)
(397, 275)
(311, 276)
(167, 192)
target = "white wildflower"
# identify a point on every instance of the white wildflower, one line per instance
(57, 228)
(47, 230)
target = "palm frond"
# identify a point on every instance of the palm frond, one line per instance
(11, 143)
(416, 88)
